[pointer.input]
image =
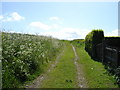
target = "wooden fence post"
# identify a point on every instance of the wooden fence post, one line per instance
(117, 56)
(103, 51)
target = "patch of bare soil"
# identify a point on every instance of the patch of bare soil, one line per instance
(80, 76)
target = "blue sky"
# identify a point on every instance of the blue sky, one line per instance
(63, 20)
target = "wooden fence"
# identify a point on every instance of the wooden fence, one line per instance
(108, 54)
(99, 52)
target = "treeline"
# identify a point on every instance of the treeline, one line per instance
(23, 56)
(77, 42)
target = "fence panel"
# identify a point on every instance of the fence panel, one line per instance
(99, 51)
(111, 56)
(108, 54)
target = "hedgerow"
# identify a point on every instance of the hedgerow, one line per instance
(92, 39)
(77, 42)
(23, 55)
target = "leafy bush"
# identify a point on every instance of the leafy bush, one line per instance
(117, 75)
(92, 39)
(23, 55)
(77, 42)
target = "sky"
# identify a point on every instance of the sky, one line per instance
(62, 20)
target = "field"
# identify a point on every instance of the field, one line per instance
(33, 61)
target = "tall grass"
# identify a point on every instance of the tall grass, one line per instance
(23, 55)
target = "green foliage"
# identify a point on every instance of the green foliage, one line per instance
(92, 39)
(77, 42)
(23, 56)
(115, 72)
(117, 75)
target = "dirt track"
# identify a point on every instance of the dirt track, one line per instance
(81, 83)
(80, 77)
(37, 82)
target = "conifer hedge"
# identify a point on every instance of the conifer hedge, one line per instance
(92, 39)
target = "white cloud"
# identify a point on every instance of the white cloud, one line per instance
(40, 25)
(1, 17)
(55, 26)
(14, 31)
(67, 33)
(75, 33)
(12, 17)
(112, 33)
(55, 30)
(118, 32)
(64, 33)
(54, 18)
(15, 16)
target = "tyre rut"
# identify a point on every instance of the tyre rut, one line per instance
(81, 82)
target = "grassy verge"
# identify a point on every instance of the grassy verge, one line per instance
(95, 74)
(64, 74)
